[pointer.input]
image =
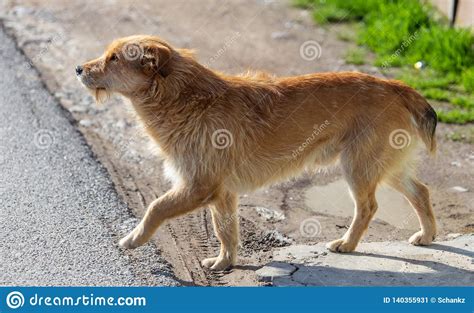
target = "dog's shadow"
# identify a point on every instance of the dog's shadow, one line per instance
(411, 272)
(428, 273)
(440, 247)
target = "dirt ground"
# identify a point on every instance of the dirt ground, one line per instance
(230, 36)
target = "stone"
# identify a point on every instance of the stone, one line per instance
(67, 103)
(280, 35)
(274, 269)
(453, 235)
(269, 214)
(86, 123)
(458, 189)
(78, 109)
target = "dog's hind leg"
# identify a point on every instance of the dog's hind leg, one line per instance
(173, 203)
(419, 197)
(226, 226)
(364, 209)
(362, 174)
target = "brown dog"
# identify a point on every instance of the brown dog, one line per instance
(223, 135)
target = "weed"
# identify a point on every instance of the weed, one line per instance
(468, 79)
(426, 79)
(355, 56)
(463, 102)
(456, 116)
(436, 94)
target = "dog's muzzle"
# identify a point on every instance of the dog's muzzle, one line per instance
(79, 70)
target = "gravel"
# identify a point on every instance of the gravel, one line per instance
(60, 217)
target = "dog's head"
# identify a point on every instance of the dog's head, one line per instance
(128, 66)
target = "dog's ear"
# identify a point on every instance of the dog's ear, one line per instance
(156, 59)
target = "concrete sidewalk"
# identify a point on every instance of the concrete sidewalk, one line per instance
(60, 218)
(449, 263)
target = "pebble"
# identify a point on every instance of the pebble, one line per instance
(458, 189)
(86, 123)
(280, 35)
(78, 109)
(120, 124)
(66, 102)
(304, 13)
(21, 11)
(270, 215)
(274, 269)
(453, 235)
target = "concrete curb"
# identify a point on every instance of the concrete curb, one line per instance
(448, 263)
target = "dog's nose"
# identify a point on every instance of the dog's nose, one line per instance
(79, 70)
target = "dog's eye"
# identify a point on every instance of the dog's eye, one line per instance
(114, 57)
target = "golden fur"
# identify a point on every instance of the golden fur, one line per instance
(223, 135)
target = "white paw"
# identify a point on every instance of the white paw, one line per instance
(208, 263)
(340, 245)
(217, 263)
(130, 241)
(421, 239)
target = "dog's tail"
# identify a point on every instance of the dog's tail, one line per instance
(424, 115)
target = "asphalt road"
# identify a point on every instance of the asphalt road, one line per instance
(60, 217)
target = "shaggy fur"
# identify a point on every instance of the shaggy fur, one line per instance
(224, 135)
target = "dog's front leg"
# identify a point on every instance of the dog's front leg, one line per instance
(173, 203)
(226, 226)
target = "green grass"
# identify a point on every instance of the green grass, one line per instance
(325, 11)
(330, 14)
(426, 79)
(387, 61)
(401, 21)
(456, 116)
(468, 79)
(356, 56)
(464, 102)
(403, 32)
(436, 94)
(444, 49)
